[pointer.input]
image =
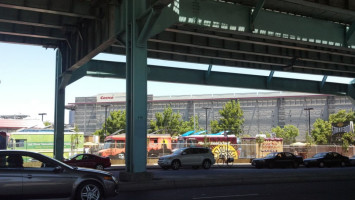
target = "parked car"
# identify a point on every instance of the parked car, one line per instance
(190, 156)
(27, 174)
(278, 159)
(89, 161)
(352, 160)
(327, 159)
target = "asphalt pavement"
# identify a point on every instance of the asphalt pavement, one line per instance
(238, 174)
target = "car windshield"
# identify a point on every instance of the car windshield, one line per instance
(271, 155)
(319, 155)
(177, 152)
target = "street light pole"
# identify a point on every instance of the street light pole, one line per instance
(105, 115)
(42, 115)
(206, 118)
(309, 120)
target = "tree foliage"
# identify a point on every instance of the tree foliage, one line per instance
(231, 119)
(342, 116)
(322, 131)
(116, 121)
(171, 123)
(288, 133)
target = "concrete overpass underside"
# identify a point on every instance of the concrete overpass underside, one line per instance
(301, 36)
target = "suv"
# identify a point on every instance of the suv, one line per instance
(191, 156)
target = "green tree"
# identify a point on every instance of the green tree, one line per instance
(116, 121)
(347, 139)
(288, 133)
(321, 132)
(231, 119)
(343, 116)
(75, 139)
(171, 123)
(47, 123)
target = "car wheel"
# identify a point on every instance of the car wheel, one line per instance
(89, 191)
(99, 167)
(321, 164)
(175, 165)
(206, 164)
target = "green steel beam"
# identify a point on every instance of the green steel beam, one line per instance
(78, 9)
(189, 76)
(208, 73)
(59, 110)
(136, 90)
(220, 15)
(321, 85)
(349, 33)
(255, 13)
(269, 79)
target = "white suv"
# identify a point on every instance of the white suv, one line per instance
(191, 156)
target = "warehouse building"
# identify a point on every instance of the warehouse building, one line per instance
(262, 111)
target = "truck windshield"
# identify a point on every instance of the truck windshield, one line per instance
(109, 144)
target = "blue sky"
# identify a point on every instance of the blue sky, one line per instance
(27, 81)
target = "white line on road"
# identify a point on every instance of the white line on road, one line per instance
(227, 196)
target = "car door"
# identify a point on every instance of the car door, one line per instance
(290, 159)
(90, 161)
(279, 159)
(43, 178)
(11, 177)
(196, 156)
(186, 157)
(328, 159)
(337, 158)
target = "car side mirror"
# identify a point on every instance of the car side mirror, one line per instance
(58, 169)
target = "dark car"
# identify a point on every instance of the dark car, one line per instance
(327, 159)
(25, 174)
(89, 161)
(278, 159)
(352, 160)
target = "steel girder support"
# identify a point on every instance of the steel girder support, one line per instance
(236, 17)
(255, 13)
(94, 36)
(136, 90)
(189, 76)
(59, 109)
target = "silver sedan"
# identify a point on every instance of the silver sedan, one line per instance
(27, 174)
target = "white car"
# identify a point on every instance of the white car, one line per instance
(191, 156)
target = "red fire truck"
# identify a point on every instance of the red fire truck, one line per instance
(157, 145)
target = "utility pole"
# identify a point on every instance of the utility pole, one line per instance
(206, 118)
(107, 105)
(309, 121)
(42, 115)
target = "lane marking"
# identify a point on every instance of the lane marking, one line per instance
(227, 196)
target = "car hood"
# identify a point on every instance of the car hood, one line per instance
(93, 171)
(167, 156)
